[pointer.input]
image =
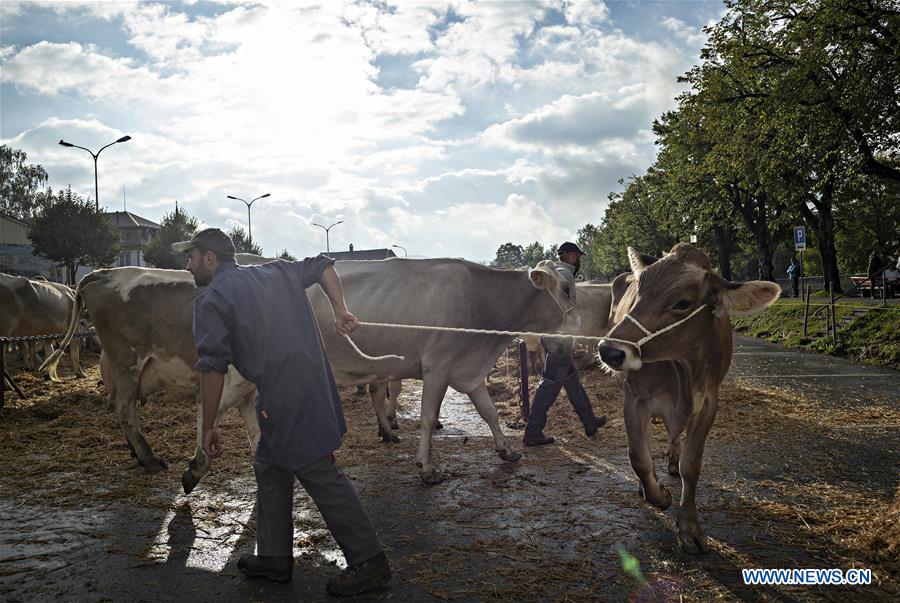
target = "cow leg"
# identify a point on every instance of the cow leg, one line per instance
(30, 354)
(433, 389)
(488, 411)
(394, 389)
(637, 424)
(377, 394)
(130, 420)
(75, 356)
(123, 397)
(691, 538)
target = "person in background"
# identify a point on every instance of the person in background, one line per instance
(793, 271)
(259, 319)
(559, 368)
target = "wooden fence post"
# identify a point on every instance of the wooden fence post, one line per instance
(833, 316)
(806, 311)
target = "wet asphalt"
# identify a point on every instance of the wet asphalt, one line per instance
(551, 526)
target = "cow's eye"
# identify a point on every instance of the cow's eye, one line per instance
(682, 304)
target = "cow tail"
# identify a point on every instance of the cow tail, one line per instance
(77, 309)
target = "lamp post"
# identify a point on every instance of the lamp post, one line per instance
(95, 155)
(249, 203)
(401, 247)
(327, 247)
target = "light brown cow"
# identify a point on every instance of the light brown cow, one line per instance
(670, 343)
(36, 307)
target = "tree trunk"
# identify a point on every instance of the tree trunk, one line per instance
(724, 235)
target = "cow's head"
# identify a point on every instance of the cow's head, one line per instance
(544, 276)
(664, 308)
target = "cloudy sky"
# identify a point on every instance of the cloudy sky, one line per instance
(446, 127)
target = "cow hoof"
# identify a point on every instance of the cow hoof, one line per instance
(438, 425)
(510, 456)
(691, 538)
(189, 481)
(673, 468)
(394, 424)
(693, 544)
(155, 465)
(431, 478)
(663, 502)
(389, 438)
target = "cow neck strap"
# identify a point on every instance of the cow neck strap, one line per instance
(650, 335)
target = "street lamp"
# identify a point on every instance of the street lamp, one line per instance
(95, 155)
(249, 203)
(327, 247)
(401, 247)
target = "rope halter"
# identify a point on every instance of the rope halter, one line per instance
(648, 335)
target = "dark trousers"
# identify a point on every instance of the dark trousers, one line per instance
(795, 286)
(559, 373)
(333, 494)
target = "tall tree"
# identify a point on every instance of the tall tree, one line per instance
(534, 253)
(509, 255)
(241, 243)
(285, 255)
(20, 183)
(68, 230)
(175, 226)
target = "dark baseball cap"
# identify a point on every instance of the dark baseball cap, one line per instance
(567, 247)
(211, 239)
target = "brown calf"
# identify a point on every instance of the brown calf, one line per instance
(670, 343)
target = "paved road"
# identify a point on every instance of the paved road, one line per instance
(834, 379)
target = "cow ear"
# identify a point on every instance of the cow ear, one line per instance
(637, 260)
(540, 275)
(742, 299)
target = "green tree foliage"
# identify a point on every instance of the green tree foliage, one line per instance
(534, 253)
(68, 230)
(176, 226)
(509, 255)
(241, 242)
(20, 183)
(639, 217)
(588, 235)
(284, 255)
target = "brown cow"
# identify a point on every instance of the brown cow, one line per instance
(670, 343)
(37, 307)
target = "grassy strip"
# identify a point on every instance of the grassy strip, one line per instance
(873, 338)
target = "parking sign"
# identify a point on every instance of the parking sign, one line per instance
(799, 238)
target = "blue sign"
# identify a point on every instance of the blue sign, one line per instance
(799, 238)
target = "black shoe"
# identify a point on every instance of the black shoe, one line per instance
(360, 577)
(538, 440)
(276, 569)
(595, 424)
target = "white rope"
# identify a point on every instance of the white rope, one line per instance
(650, 335)
(476, 331)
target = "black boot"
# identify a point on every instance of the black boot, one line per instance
(582, 404)
(276, 569)
(547, 391)
(360, 577)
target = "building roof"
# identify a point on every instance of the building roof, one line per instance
(126, 219)
(362, 254)
(13, 219)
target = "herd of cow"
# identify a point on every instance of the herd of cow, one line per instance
(663, 331)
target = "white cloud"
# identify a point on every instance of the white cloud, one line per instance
(502, 128)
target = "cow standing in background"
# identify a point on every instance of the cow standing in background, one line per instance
(670, 344)
(143, 318)
(37, 307)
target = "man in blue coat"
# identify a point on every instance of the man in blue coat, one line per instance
(259, 319)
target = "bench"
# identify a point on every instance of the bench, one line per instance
(863, 284)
